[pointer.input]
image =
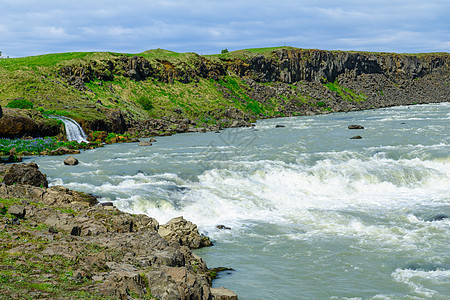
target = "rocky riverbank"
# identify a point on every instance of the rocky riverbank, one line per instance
(61, 244)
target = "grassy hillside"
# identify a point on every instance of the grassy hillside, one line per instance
(37, 80)
(161, 84)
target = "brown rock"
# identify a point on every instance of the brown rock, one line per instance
(222, 293)
(356, 137)
(71, 161)
(17, 211)
(184, 232)
(145, 144)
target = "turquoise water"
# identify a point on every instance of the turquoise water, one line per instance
(313, 213)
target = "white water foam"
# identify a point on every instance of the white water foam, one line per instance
(416, 279)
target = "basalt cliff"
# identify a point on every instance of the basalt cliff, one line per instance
(159, 92)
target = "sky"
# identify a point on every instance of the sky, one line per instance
(207, 26)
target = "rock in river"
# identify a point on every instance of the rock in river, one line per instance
(71, 161)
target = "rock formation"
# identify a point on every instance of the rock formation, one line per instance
(110, 253)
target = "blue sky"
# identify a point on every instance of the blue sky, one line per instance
(207, 26)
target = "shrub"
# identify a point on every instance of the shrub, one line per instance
(145, 102)
(20, 103)
(224, 51)
(321, 104)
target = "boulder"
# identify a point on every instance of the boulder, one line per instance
(71, 161)
(280, 126)
(183, 232)
(25, 174)
(356, 137)
(17, 211)
(355, 127)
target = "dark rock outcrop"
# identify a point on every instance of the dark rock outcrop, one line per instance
(355, 127)
(25, 174)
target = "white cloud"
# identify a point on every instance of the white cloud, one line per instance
(206, 26)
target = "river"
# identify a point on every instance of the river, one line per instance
(313, 214)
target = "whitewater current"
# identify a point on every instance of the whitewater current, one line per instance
(313, 214)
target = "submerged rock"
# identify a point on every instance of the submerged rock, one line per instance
(356, 137)
(438, 217)
(355, 127)
(223, 227)
(144, 144)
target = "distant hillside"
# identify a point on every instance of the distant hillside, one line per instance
(160, 92)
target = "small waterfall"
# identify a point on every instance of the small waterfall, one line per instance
(74, 132)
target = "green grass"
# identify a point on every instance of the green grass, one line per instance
(345, 93)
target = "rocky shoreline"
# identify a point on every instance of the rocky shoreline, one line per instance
(61, 244)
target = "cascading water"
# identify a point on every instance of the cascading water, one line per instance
(74, 132)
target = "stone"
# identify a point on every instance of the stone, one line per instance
(52, 230)
(355, 127)
(71, 161)
(222, 293)
(356, 137)
(63, 151)
(17, 211)
(145, 144)
(438, 217)
(25, 174)
(223, 227)
(184, 232)
(76, 230)
(280, 126)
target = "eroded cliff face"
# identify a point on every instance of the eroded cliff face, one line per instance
(291, 66)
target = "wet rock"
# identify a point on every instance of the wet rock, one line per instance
(280, 126)
(25, 174)
(356, 137)
(438, 217)
(144, 144)
(355, 127)
(223, 227)
(222, 293)
(17, 211)
(71, 161)
(183, 232)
